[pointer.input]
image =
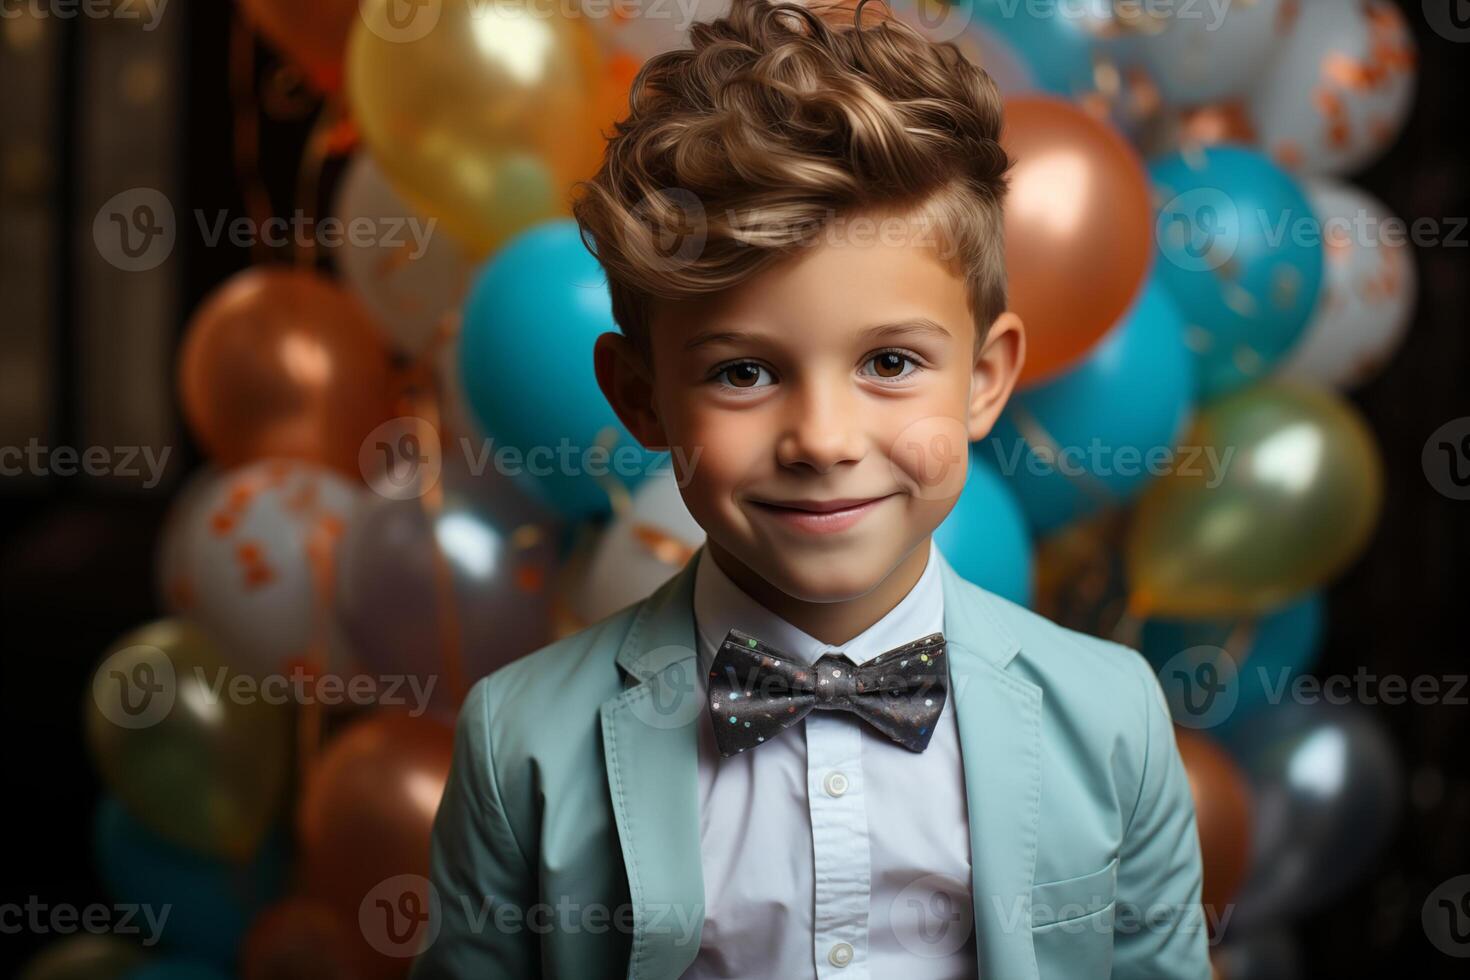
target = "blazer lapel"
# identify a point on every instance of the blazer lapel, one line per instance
(651, 747)
(999, 719)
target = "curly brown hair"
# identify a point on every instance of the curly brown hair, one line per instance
(780, 118)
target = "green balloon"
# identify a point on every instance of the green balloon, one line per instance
(1276, 488)
(201, 764)
(84, 957)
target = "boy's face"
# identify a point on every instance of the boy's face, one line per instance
(827, 404)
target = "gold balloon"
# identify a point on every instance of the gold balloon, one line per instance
(483, 114)
(1276, 488)
(202, 763)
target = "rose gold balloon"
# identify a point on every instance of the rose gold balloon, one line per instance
(1222, 807)
(300, 939)
(1078, 229)
(312, 34)
(282, 362)
(369, 805)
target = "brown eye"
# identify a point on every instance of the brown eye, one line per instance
(743, 375)
(889, 364)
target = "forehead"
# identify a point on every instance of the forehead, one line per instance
(851, 276)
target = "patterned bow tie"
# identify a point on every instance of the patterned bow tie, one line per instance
(755, 692)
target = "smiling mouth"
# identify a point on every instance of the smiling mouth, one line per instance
(819, 516)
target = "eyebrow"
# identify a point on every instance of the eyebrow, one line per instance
(919, 326)
(715, 337)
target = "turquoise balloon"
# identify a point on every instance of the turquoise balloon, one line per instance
(1098, 433)
(525, 359)
(1240, 253)
(210, 902)
(1282, 645)
(984, 538)
(1058, 49)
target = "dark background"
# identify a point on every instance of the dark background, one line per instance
(76, 558)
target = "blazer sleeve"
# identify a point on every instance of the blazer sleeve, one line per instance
(477, 867)
(1159, 927)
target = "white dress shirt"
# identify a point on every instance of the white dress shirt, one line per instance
(831, 851)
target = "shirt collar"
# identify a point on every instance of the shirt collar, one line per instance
(720, 605)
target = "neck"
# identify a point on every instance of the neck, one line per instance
(833, 623)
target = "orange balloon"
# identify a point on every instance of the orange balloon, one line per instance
(366, 816)
(1222, 807)
(282, 362)
(1078, 224)
(313, 34)
(301, 939)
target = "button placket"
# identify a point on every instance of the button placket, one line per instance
(840, 844)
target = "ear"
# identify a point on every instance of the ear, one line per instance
(626, 380)
(997, 366)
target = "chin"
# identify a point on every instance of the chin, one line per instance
(826, 578)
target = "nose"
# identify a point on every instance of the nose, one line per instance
(822, 430)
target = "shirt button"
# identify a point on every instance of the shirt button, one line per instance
(835, 784)
(840, 954)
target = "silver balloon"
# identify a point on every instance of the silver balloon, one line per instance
(1272, 955)
(481, 569)
(644, 28)
(171, 555)
(1203, 55)
(1338, 89)
(246, 565)
(404, 267)
(1328, 786)
(640, 550)
(1368, 289)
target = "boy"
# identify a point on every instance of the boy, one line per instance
(816, 752)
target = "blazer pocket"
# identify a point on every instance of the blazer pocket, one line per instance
(1072, 925)
(1057, 902)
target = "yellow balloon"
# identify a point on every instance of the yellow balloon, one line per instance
(482, 114)
(198, 757)
(1276, 488)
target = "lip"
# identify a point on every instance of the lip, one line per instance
(820, 516)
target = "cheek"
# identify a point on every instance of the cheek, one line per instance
(733, 448)
(927, 443)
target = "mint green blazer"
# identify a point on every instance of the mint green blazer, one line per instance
(567, 842)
